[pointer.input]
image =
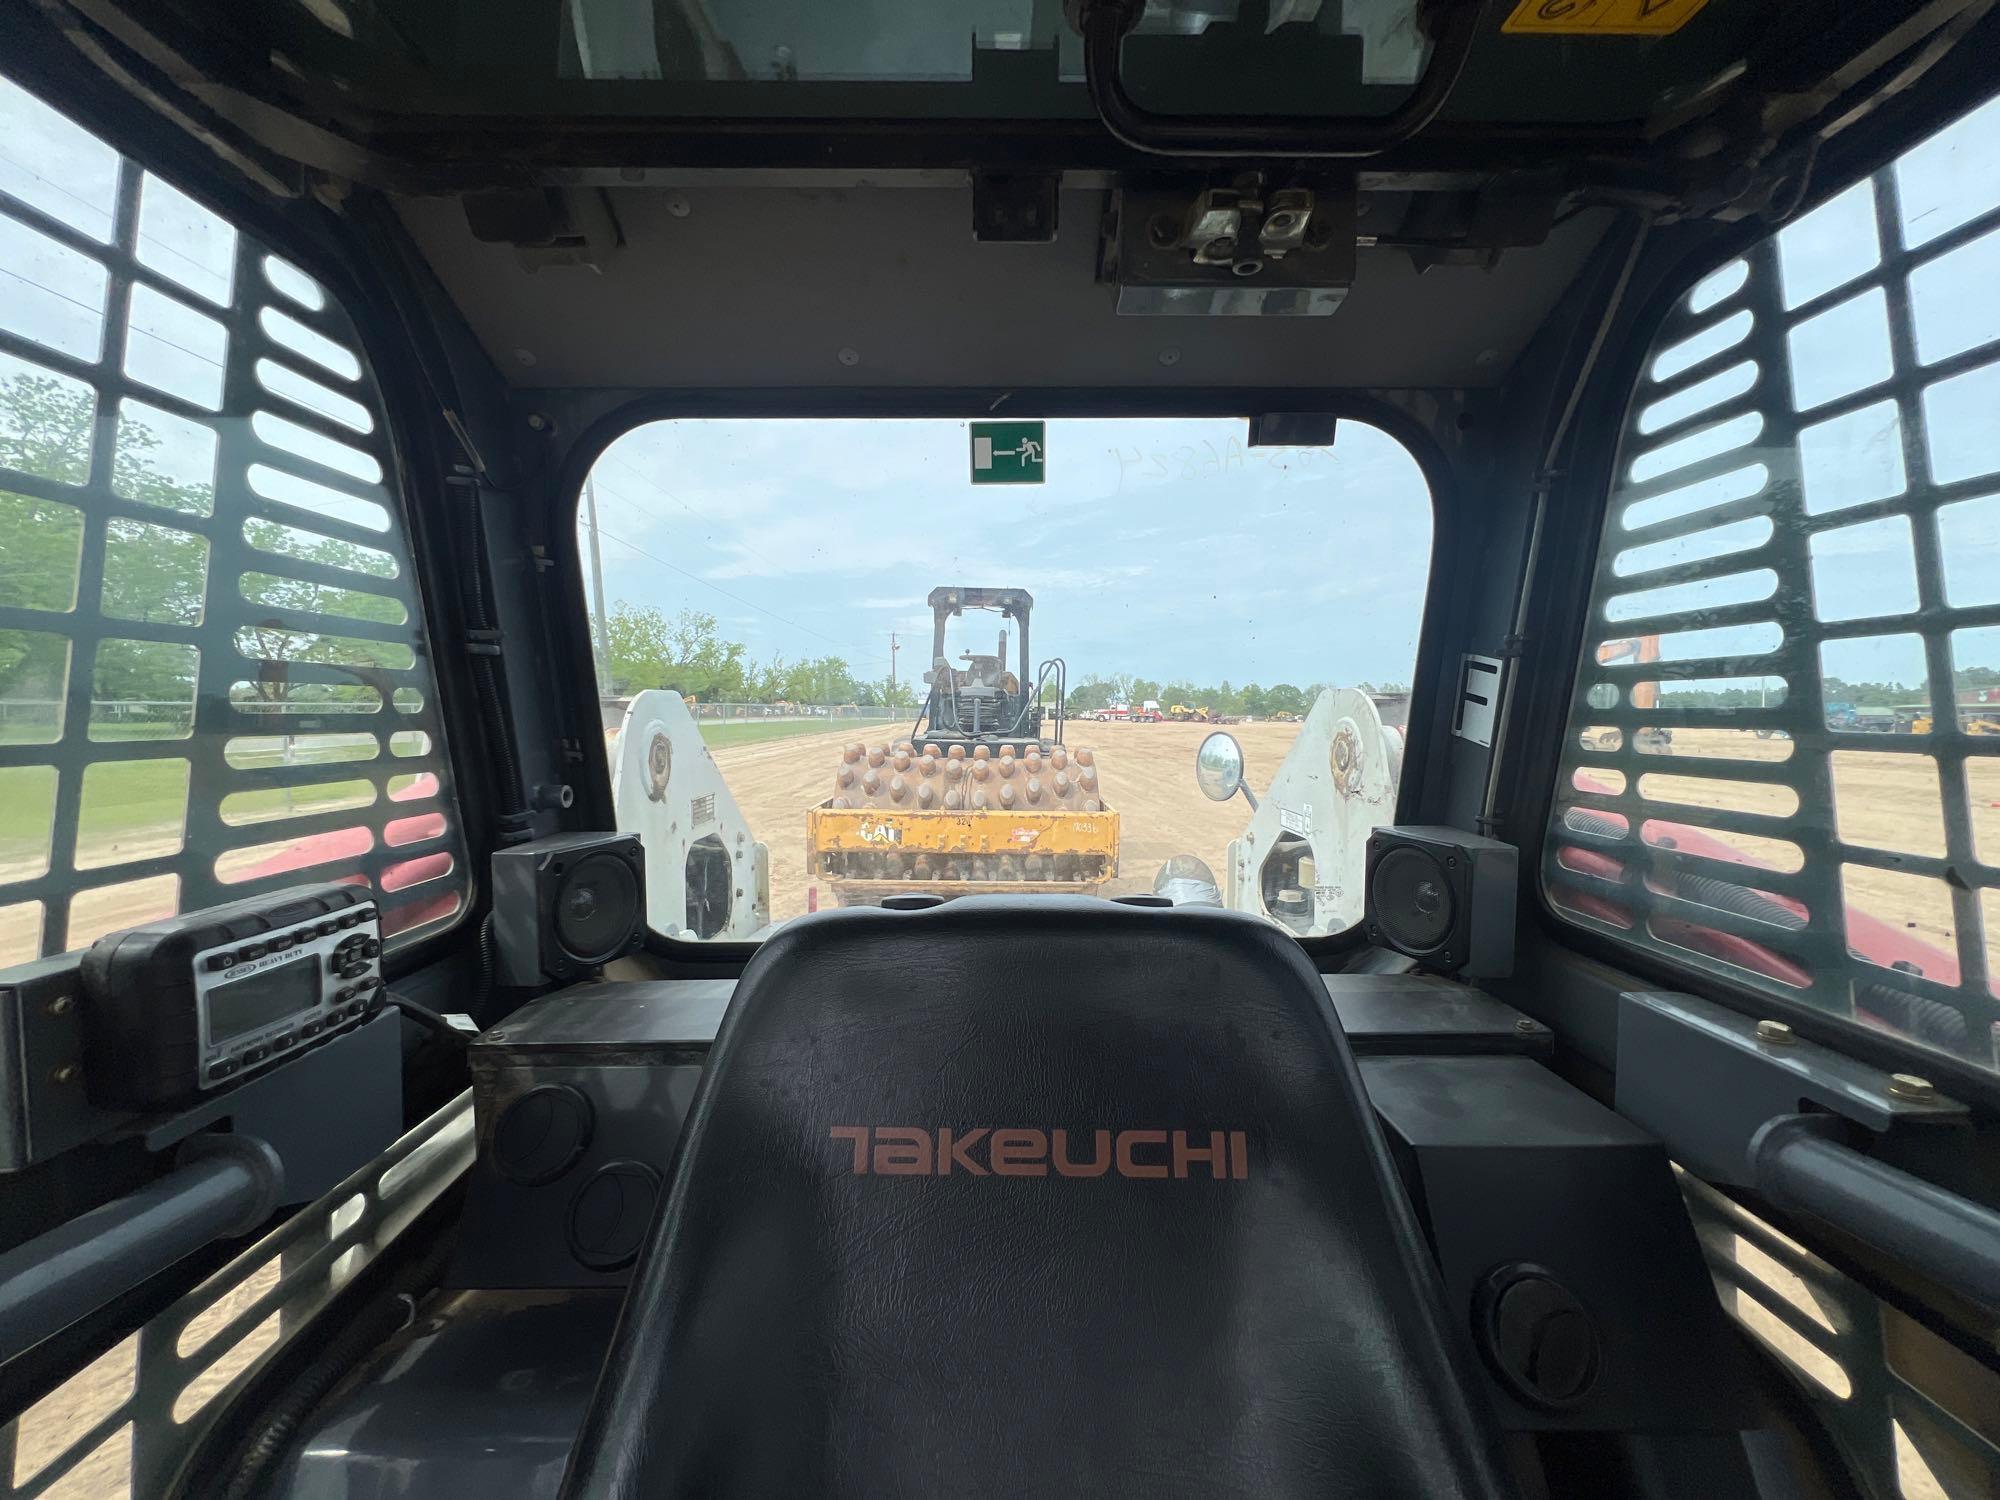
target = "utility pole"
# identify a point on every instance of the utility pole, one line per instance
(600, 634)
(893, 649)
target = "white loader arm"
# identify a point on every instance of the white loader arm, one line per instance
(1300, 862)
(706, 876)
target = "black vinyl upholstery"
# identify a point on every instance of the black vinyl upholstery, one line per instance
(801, 1328)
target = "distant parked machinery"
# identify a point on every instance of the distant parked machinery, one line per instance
(977, 797)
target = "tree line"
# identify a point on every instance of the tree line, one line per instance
(646, 648)
(1835, 690)
(158, 573)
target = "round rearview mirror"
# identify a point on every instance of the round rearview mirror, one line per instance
(1218, 767)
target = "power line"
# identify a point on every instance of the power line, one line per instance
(98, 314)
(96, 211)
(657, 488)
(611, 536)
(155, 240)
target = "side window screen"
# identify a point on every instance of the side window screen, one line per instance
(213, 673)
(1782, 763)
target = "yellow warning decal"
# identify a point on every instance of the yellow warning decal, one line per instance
(1601, 17)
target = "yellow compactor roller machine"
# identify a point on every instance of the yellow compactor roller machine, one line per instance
(981, 795)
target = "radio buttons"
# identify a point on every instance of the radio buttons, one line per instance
(250, 951)
(327, 928)
(220, 960)
(280, 1043)
(311, 1029)
(354, 970)
(279, 942)
(222, 1069)
(351, 919)
(254, 1055)
(370, 948)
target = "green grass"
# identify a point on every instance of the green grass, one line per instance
(130, 796)
(716, 733)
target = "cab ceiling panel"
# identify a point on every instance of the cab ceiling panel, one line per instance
(761, 287)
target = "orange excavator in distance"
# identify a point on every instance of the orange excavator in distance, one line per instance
(1641, 649)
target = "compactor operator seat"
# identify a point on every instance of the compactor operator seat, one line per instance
(1022, 1197)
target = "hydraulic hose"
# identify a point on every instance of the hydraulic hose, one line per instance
(249, 1463)
(377, 1322)
(1736, 899)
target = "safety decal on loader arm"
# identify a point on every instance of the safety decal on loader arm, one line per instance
(1601, 17)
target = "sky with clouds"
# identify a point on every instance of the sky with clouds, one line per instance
(1167, 548)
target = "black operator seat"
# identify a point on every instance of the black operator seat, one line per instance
(1020, 1197)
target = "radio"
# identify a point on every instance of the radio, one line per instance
(193, 1003)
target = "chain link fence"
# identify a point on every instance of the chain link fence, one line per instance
(614, 711)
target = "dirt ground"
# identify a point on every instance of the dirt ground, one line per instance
(1147, 772)
(1882, 800)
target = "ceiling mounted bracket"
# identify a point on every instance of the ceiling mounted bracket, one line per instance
(1105, 24)
(1015, 207)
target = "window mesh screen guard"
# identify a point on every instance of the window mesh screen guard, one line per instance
(213, 673)
(1783, 757)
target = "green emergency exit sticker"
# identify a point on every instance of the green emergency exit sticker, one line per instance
(1009, 453)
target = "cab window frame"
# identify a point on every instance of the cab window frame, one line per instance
(1430, 690)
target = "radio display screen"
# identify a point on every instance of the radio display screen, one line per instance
(269, 995)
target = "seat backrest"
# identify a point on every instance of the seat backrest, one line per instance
(1033, 1197)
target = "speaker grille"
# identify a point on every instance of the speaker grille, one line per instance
(596, 908)
(1413, 900)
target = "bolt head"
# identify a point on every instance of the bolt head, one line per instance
(1524, 1024)
(1910, 1086)
(1776, 1033)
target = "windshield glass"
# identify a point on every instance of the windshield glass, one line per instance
(840, 659)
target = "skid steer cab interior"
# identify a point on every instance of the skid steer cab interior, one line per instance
(559, 940)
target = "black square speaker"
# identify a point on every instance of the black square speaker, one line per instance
(1445, 898)
(567, 904)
